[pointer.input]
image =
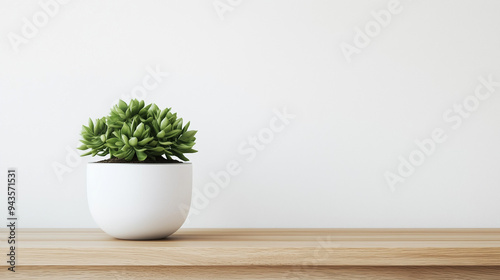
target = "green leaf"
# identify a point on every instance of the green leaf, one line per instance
(144, 111)
(164, 112)
(179, 125)
(172, 117)
(125, 139)
(182, 147)
(164, 123)
(139, 130)
(156, 127)
(145, 141)
(133, 141)
(130, 155)
(179, 155)
(168, 128)
(122, 105)
(141, 155)
(186, 127)
(134, 107)
(173, 133)
(133, 125)
(86, 142)
(121, 113)
(126, 130)
(188, 135)
(103, 153)
(177, 122)
(83, 147)
(157, 149)
(91, 125)
(126, 148)
(100, 125)
(87, 130)
(86, 154)
(154, 109)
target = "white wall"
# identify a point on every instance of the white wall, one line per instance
(228, 73)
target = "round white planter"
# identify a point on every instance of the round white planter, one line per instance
(139, 200)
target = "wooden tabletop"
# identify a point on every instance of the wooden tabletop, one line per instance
(341, 254)
(269, 247)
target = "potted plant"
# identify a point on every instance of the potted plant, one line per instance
(140, 192)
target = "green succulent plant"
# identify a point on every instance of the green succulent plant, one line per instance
(136, 132)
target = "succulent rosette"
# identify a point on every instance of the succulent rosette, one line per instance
(136, 132)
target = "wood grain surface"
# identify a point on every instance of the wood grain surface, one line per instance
(259, 254)
(256, 272)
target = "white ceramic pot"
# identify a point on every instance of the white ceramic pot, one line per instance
(139, 200)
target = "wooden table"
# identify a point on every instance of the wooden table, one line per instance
(258, 254)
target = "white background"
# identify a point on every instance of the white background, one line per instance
(325, 168)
